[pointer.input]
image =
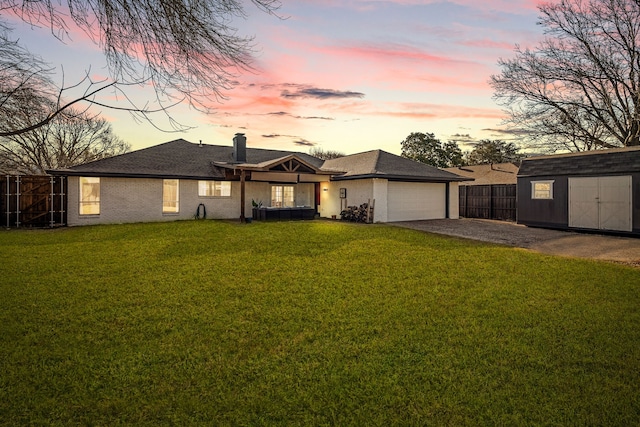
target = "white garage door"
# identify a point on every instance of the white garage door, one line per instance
(409, 201)
(600, 203)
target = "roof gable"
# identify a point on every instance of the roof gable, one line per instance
(292, 163)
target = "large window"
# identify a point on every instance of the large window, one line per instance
(89, 196)
(542, 189)
(170, 196)
(214, 188)
(282, 196)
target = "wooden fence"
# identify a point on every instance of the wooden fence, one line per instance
(33, 201)
(497, 201)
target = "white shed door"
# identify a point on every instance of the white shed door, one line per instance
(583, 203)
(615, 203)
(600, 203)
(410, 201)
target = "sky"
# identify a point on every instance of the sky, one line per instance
(341, 75)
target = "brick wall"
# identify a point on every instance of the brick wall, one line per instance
(140, 200)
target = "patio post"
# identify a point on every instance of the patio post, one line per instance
(242, 195)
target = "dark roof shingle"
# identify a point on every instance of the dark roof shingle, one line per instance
(380, 164)
(177, 158)
(614, 161)
(183, 159)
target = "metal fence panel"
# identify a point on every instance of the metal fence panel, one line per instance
(33, 201)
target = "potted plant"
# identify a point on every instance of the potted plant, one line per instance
(256, 208)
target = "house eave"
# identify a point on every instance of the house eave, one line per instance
(130, 175)
(403, 178)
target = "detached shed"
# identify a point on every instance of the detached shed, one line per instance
(596, 190)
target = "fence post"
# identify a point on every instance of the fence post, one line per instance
(17, 201)
(51, 203)
(8, 200)
(491, 213)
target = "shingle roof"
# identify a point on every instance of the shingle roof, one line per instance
(380, 164)
(183, 159)
(178, 158)
(499, 173)
(620, 160)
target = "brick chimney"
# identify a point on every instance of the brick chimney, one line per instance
(239, 148)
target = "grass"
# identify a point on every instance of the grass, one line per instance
(309, 323)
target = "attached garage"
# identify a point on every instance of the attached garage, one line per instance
(409, 201)
(402, 189)
(597, 190)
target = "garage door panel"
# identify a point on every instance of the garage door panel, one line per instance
(408, 201)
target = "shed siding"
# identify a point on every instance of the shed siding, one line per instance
(555, 213)
(552, 213)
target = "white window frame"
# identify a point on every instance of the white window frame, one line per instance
(542, 194)
(170, 204)
(214, 189)
(283, 196)
(89, 200)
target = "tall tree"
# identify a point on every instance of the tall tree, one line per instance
(497, 151)
(187, 50)
(69, 139)
(580, 88)
(426, 148)
(452, 155)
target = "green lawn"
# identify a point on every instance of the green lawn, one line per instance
(309, 323)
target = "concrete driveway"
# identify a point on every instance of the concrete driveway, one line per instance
(555, 242)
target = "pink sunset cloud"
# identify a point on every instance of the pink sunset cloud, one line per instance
(416, 110)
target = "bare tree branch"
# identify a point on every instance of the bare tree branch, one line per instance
(188, 51)
(72, 137)
(580, 88)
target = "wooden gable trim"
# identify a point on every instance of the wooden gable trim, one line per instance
(291, 164)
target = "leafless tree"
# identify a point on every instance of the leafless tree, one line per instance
(580, 88)
(186, 50)
(71, 138)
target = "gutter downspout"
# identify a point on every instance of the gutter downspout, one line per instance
(447, 199)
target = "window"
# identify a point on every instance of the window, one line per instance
(170, 196)
(282, 196)
(542, 189)
(89, 196)
(214, 188)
